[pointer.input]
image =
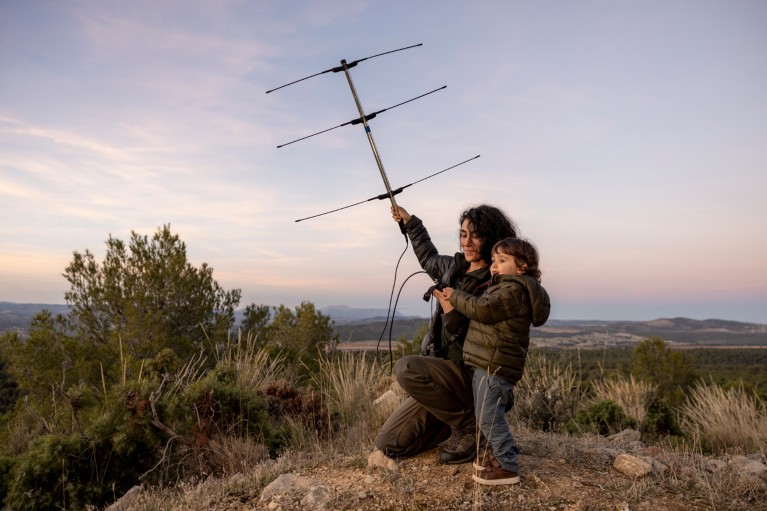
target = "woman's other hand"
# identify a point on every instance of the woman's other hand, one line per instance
(444, 298)
(399, 213)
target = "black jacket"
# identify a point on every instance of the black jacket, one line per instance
(447, 330)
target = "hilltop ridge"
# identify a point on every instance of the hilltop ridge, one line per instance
(358, 324)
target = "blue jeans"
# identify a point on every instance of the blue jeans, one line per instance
(493, 397)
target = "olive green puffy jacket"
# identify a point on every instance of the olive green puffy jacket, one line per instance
(499, 332)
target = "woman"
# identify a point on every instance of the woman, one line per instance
(440, 403)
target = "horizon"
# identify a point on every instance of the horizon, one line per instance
(383, 311)
(625, 140)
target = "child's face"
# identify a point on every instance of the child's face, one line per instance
(504, 264)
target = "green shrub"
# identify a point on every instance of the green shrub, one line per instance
(660, 421)
(6, 467)
(603, 418)
(55, 473)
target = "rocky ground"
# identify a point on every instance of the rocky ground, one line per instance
(559, 473)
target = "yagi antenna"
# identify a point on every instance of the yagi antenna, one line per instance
(341, 67)
(363, 119)
(358, 120)
(383, 195)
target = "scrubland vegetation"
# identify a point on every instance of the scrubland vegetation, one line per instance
(149, 381)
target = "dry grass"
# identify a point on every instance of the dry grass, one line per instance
(256, 368)
(559, 471)
(350, 383)
(548, 395)
(726, 419)
(633, 396)
(212, 492)
(558, 468)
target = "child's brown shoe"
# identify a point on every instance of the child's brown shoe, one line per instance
(492, 473)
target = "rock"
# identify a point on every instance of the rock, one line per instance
(657, 466)
(316, 497)
(626, 436)
(610, 452)
(287, 482)
(632, 466)
(387, 397)
(378, 459)
(749, 467)
(127, 501)
(715, 465)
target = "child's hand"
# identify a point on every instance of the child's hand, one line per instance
(444, 298)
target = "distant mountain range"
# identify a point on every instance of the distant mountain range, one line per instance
(354, 324)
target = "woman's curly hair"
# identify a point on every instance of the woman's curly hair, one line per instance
(491, 225)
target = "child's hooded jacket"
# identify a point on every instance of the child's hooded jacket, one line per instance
(499, 333)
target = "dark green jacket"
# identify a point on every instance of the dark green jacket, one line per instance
(499, 332)
(446, 331)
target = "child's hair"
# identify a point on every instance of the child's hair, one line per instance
(524, 253)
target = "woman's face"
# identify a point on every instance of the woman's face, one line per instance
(471, 244)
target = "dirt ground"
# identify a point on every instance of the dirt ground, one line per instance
(421, 483)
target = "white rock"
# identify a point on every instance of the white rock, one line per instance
(378, 459)
(609, 451)
(715, 465)
(631, 466)
(316, 497)
(387, 397)
(285, 483)
(126, 501)
(749, 467)
(626, 436)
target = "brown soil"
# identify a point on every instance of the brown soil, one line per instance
(421, 483)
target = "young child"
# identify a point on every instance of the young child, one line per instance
(496, 346)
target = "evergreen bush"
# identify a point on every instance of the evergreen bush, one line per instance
(603, 418)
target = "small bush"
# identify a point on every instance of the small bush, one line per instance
(547, 396)
(290, 406)
(55, 473)
(603, 418)
(660, 421)
(634, 397)
(218, 407)
(6, 467)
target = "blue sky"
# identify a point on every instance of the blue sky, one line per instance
(627, 140)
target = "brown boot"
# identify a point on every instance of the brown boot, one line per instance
(460, 449)
(493, 474)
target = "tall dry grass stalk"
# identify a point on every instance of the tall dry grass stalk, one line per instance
(633, 396)
(548, 395)
(350, 383)
(726, 419)
(256, 368)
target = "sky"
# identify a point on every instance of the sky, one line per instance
(626, 139)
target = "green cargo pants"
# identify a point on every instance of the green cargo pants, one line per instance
(440, 398)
